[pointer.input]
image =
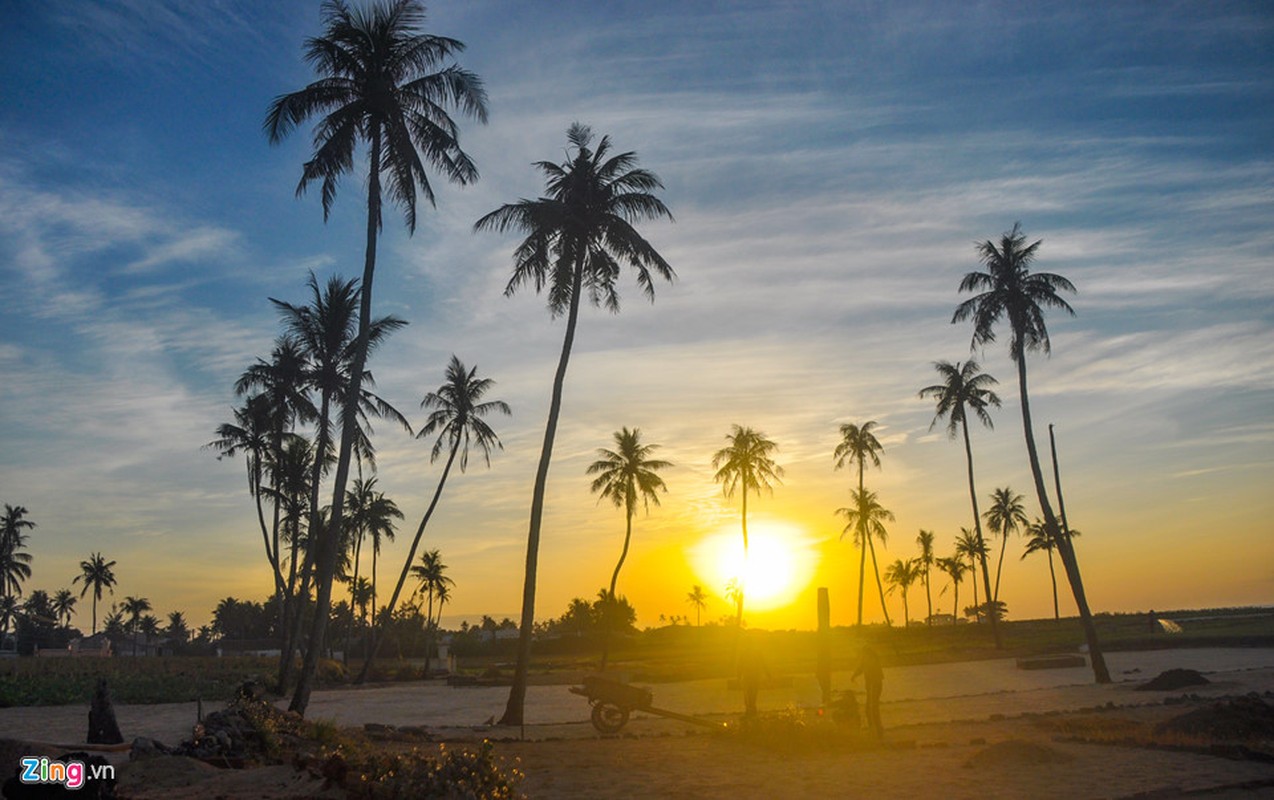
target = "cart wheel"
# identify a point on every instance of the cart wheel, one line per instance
(608, 718)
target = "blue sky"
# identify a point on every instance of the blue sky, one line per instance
(830, 167)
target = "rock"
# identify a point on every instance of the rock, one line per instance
(1172, 680)
(144, 748)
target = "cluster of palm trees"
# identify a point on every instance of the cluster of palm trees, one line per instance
(15, 562)
(386, 85)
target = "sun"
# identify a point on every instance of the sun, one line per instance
(778, 566)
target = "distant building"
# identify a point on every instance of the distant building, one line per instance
(249, 647)
(96, 646)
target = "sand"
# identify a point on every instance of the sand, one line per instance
(940, 720)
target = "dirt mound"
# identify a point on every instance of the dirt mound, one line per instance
(1017, 753)
(1172, 680)
(1240, 719)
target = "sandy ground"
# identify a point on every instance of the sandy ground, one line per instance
(938, 718)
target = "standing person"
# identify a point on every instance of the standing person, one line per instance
(874, 678)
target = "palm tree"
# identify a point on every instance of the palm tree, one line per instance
(1005, 516)
(955, 568)
(456, 416)
(901, 575)
(973, 548)
(1009, 289)
(924, 563)
(1042, 541)
(97, 575)
(734, 594)
(746, 462)
(964, 387)
(866, 519)
(431, 574)
(699, 600)
(15, 566)
(577, 236)
(624, 476)
(177, 628)
(326, 333)
(9, 612)
(858, 443)
(377, 83)
(134, 607)
(63, 605)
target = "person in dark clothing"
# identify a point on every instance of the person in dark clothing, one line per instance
(752, 671)
(874, 678)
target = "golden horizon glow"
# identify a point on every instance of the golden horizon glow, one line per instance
(779, 563)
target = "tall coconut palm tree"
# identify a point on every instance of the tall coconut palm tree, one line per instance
(63, 605)
(434, 582)
(134, 607)
(698, 599)
(326, 332)
(901, 575)
(965, 387)
(866, 519)
(1042, 541)
(381, 81)
(97, 574)
(1005, 516)
(955, 568)
(457, 408)
(577, 237)
(858, 443)
(924, 564)
(371, 514)
(734, 594)
(1009, 289)
(624, 476)
(973, 548)
(746, 463)
(15, 565)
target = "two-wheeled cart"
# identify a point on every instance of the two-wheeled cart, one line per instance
(613, 701)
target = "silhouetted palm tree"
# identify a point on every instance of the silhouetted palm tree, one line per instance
(1005, 516)
(15, 565)
(134, 607)
(1008, 289)
(858, 443)
(964, 387)
(456, 416)
(697, 599)
(372, 514)
(177, 629)
(1042, 541)
(973, 548)
(379, 82)
(577, 237)
(901, 575)
(63, 605)
(434, 582)
(624, 476)
(746, 463)
(865, 518)
(97, 574)
(734, 594)
(955, 568)
(924, 564)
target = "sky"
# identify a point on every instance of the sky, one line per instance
(830, 167)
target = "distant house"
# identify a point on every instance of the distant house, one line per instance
(139, 644)
(942, 619)
(249, 647)
(96, 646)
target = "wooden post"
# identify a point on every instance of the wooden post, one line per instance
(824, 673)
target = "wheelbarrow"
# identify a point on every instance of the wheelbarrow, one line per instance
(613, 701)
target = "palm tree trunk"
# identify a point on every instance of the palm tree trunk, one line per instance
(928, 598)
(378, 631)
(862, 549)
(1052, 576)
(977, 608)
(1067, 553)
(977, 526)
(517, 693)
(743, 578)
(955, 610)
(331, 538)
(614, 579)
(999, 567)
(879, 586)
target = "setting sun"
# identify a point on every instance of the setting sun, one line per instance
(780, 563)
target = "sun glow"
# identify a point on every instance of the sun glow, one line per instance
(780, 563)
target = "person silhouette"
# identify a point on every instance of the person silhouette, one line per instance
(752, 671)
(874, 680)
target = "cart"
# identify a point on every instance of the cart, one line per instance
(613, 701)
